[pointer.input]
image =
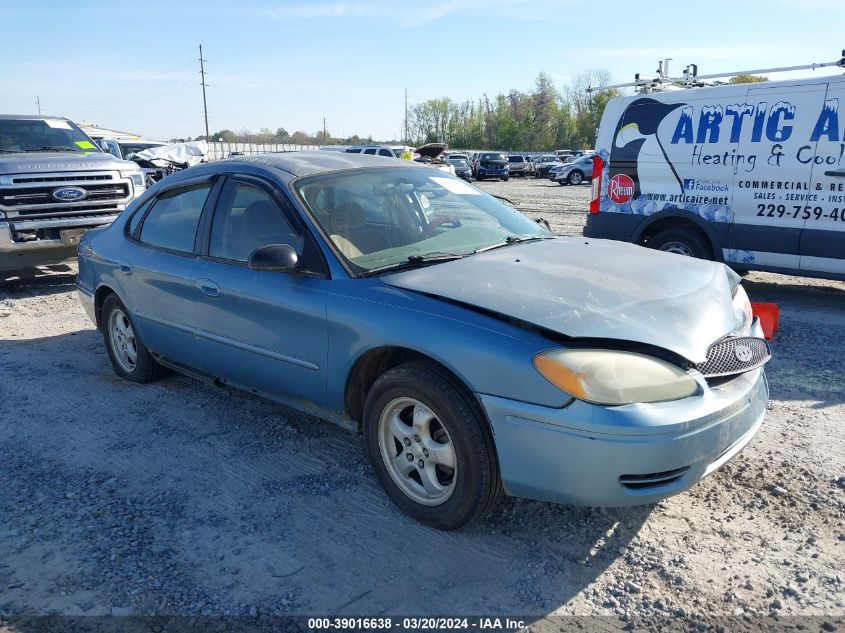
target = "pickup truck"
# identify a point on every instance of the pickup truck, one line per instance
(55, 183)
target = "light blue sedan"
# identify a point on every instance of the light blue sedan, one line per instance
(478, 354)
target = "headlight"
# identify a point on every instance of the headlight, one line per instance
(614, 378)
(137, 179)
(743, 314)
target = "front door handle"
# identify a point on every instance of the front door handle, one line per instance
(125, 268)
(208, 287)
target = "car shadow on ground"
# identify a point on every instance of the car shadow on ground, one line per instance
(181, 498)
(51, 279)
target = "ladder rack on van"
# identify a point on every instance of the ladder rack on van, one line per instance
(691, 79)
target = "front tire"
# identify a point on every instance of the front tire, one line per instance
(681, 242)
(430, 447)
(129, 358)
(576, 178)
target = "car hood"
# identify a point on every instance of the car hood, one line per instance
(584, 288)
(61, 161)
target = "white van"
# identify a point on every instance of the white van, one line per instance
(749, 174)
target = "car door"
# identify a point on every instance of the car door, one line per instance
(158, 270)
(770, 194)
(823, 238)
(257, 329)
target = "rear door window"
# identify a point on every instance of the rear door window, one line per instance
(172, 222)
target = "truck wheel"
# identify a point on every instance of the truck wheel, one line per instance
(130, 359)
(681, 241)
(576, 178)
(430, 447)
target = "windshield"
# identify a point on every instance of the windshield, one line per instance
(493, 157)
(550, 159)
(42, 135)
(384, 216)
(460, 163)
(516, 159)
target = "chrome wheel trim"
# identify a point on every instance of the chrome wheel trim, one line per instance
(677, 247)
(575, 178)
(124, 345)
(417, 451)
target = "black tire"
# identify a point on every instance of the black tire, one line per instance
(683, 242)
(477, 485)
(560, 182)
(575, 178)
(145, 368)
(505, 178)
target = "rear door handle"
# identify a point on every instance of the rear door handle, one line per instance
(840, 173)
(208, 287)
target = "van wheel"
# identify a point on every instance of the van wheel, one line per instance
(430, 447)
(681, 242)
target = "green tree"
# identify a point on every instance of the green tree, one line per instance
(747, 79)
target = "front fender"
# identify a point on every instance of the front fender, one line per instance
(489, 356)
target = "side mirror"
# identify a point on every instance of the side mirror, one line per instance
(275, 258)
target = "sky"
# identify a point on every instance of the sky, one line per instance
(134, 66)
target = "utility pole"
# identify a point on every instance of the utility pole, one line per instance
(38, 103)
(407, 134)
(324, 130)
(204, 104)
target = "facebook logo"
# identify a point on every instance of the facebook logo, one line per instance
(689, 183)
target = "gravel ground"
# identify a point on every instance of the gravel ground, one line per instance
(181, 498)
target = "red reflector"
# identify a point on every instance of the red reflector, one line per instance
(768, 313)
(595, 201)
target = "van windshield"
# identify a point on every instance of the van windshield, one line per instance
(42, 135)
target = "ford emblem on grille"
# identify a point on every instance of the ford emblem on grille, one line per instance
(743, 353)
(69, 194)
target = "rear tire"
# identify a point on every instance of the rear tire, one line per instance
(417, 409)
(682, 242)
(129, 358)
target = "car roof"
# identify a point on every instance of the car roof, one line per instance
(34, 117)
(317, 162)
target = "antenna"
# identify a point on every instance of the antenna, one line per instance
(38, 103)
(204, 85)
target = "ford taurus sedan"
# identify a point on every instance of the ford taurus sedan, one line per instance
(478, 354)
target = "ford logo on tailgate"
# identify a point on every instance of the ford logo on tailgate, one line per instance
(69, 194)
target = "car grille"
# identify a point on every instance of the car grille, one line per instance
(51, 178)
(27, 196)
(652, 480)
(735, 355)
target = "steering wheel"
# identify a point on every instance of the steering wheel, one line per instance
(441, 220)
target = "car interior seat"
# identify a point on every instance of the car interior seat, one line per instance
(261, 224)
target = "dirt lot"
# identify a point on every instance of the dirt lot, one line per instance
(180, 498)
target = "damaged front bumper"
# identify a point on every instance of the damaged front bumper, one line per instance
(635, 454)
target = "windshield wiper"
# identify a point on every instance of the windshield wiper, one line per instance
(515, 239)
(54, 148)
(414, 261)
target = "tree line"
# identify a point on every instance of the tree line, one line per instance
(541, 119)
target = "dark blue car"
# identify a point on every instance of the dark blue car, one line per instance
(478, 354)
